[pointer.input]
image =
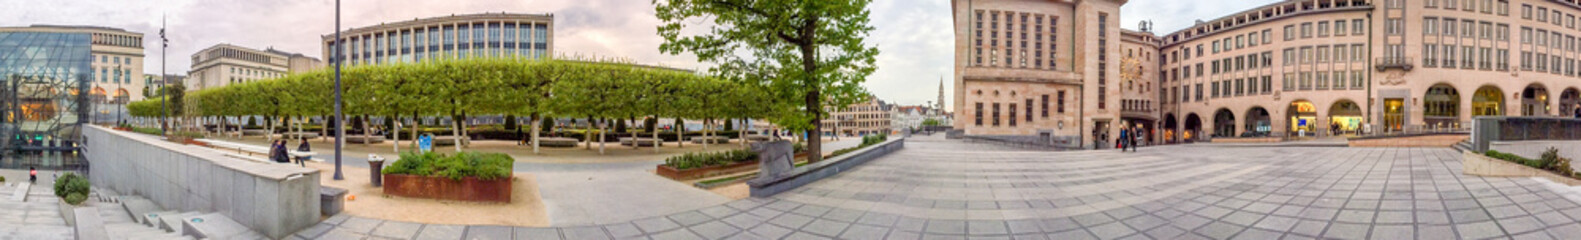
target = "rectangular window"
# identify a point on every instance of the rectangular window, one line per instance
(996, 114)
(1429, 55)
(1501, 58)
(1394, 26)
(1339, 28)
(1290, 32)
(1430, 26)
(1029, 109)
(1060, 106)
(979, 114)
(1306, 30)
(1215, 90)
(1449, 56)
(1468, 28)
(1268, 83)
(1267, 37)
(1322, 80)
(1357, 27)
(1290, 57)
(1322, 54)
(1012, 110)
(1306, 81)
(1322, 29)
(1449, 27)
(1045, 106)
(1526, 11)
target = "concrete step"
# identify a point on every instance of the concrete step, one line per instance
(152, 219)
(172, 222)
(216, 226)
(136, 206)
(20, 193)
(127, 229)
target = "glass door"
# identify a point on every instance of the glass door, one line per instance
(1393, 114)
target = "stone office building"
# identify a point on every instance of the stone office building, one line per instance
(1313, 67)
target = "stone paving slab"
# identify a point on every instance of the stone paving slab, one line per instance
(941, 189)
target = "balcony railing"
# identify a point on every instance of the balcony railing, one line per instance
(1384, 63)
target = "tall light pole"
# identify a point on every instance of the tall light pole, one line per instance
(163, 44)
(118, 92)
(340, 125)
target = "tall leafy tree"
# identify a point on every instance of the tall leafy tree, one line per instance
(813, 49)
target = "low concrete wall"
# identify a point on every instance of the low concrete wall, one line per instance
(1534, 149)
(1247, 140)
(272, 199)
(810, 173)
(1477, 164)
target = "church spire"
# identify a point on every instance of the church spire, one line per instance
(941, 94)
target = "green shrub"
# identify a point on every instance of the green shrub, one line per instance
(2, 179)
(484, 166)
(701, 160)
(1506, 157)
(75, 198)
(71, 184)
(798, 147)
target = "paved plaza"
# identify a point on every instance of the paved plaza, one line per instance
(36, 219)
(942, 189)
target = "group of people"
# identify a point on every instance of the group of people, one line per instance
(1130, 138)
(278, 152)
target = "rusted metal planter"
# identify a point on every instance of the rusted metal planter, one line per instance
(467, 189)
(689, 174)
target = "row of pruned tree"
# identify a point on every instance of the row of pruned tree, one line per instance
(461, 88)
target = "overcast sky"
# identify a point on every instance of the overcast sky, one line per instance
(913, 36)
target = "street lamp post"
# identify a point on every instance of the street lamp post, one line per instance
(340, 123)
(164, 43)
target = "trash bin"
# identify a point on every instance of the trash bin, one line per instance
(375, 167)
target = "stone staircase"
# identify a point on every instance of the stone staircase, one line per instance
(1462, 146)
(137, 218)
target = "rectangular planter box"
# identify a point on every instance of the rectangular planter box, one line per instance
(1477, 164)
(466, 189)
(689, 174)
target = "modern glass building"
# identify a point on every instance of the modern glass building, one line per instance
(46, 75)
(498, 35)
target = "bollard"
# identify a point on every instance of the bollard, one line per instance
(375, 166)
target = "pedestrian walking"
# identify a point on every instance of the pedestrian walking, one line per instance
(32, 175)
(1136, 138)
(1125, 133)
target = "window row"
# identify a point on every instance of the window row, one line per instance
(1324, 80)
(1500, 7)
(1555, 40)
(1543, 62)
(1024, 39)
(1043, 108)
(1324, 54)
(1465, 57)
(1358, 27)
(108, 74)
(1465, 28)
(1543, 14)
(1226, 88)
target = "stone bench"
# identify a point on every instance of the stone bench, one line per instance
(641, 142)
(758, 138)
(298, 135)
(331, 200)
(443, 140)
(710, 139)
(369, 139)
(254, 132)
(558, 142)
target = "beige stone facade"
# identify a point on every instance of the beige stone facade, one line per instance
(1317, 67)
(1044, 68)
(862, 118)
(226, 64)
(483, 35)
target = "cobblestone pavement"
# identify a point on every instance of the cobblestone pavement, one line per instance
(937, 189)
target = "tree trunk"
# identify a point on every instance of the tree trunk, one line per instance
(269, 134)
(415, 122)
(706, 129)
(395, 134)
(455, 131)
(656, 140)
(680, 134)
(535, 125)
(601, 136)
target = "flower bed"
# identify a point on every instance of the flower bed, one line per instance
(484, 177)
(694, 165)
